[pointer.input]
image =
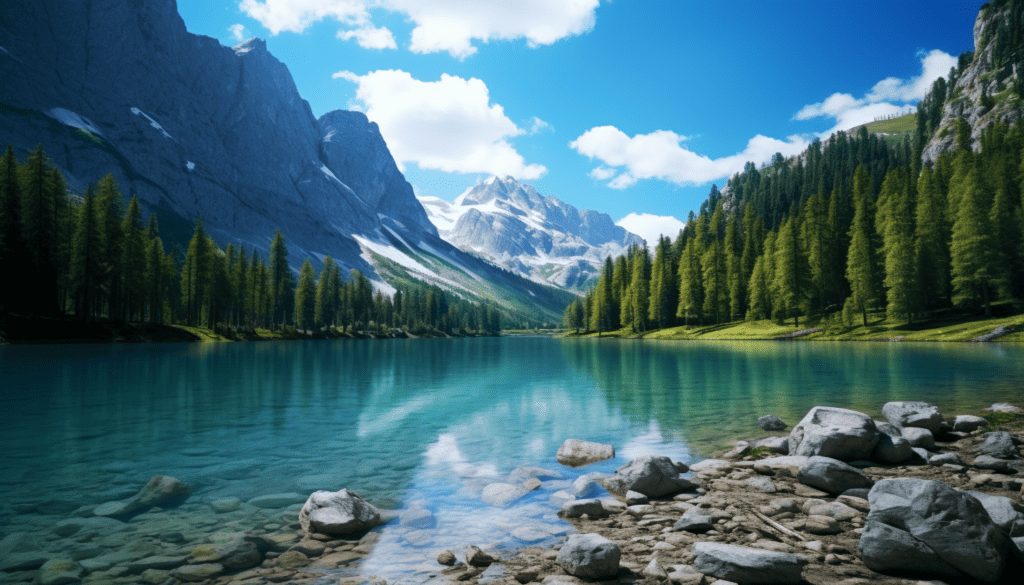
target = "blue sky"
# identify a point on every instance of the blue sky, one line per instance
(627, 107)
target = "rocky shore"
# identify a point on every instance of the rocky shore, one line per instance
(841, 498)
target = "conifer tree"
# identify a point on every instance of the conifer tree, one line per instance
(932, 233)
(327, 294)
(110, 211)
(620, 286)
(715, 290)
(12, 246)
(901, 276)
(1006, 243)
(735, 279)
(862, 264)
(639, 288)
(662, 287)
(40, 232)
(281, 280)
(691, 284)
(85, 258)
(133, 261)
(972, 247)
(608, 310)
(791, 272)
(305, 297)
(155, 275)
(760, 307)
(196, 275)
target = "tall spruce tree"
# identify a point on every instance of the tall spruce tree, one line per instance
(110, 209)
(12, 246)
(305, 297)
(661, 307)
(791, 272)
(155, 276)
(196, 275)
(972, 247)
(901, 270)
(133, 261)
(326, 293)
(691, 284)
(862, 264)
(639, 288)
(281, 281)
(38, 211)
(932, 235)
(85, 259)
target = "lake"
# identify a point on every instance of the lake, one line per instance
(411, 423)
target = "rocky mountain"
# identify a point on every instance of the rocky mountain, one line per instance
(541, 238)
(198, 129)
(990, 87)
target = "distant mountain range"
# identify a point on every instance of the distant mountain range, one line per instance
(196, 129)
(541, 238)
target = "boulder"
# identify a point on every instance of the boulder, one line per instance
(926, 526)
(577, 508)
(822, 525)
(831, 475)
(699, 520)
(998, 444)
(60, 572)
(778, 445)
(711, 465)
(913, 414)
(919, 437)
(1006, 407)
(836, 510)
(446, 557)
(476, 557)
(587, 485)
(193, 573)
(655, 571)
(834, 432)
(502, 494)
(589, 556)
(1004, 512)
(741, 564)
(888, 429)
(967, 423)
(651, 475)
(892, 450)
(341, 512)
(788, 466)
(577, 453)
(162, 490)
(740, 449)
(231, 550)
(770, 422)
(944, 458)
(991, 463)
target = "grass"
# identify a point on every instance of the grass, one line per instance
(942, 326)
(1003, 421)
(907, 123)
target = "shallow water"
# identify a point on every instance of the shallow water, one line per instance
(414, 423)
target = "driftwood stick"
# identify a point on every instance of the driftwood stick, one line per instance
(778, 526)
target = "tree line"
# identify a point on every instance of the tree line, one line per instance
(93, 257)
(877, 232)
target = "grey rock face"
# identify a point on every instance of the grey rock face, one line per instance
(741, 564)
(832, 475)
(541, 238)
(919, 437)
(834, 432)
(966, 423)
(927, 526)
(577, 508)
(892, 450)
(577, 453)
(998, 444)
(650, 475)
(770, 422)
(990, 462)
(778, 445)
(944, 458)
(476, 557)
(1007, 514)
(341, 512)
(589, 556)
(913, 414)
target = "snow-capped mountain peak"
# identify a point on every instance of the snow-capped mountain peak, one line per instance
(540, 237)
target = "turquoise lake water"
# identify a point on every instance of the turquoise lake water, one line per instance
(419, 423)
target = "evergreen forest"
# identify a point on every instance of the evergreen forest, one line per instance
(852, 231)
(92, 257)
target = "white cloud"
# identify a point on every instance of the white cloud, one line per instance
(537, 126)
(603, 173)
(369, 37)
(441, 25)
(891, 96)
(650, 227)
(237, 32)
(449, 125)
(658, 155)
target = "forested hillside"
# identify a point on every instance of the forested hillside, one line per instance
(91, 257)
(854, 229)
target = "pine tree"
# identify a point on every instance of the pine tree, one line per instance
(607, 302)
(760, 307)
(932, 236)
(639, 288)
(12, 245)
(155, 275)
(861, 264)
(196, 275)
(133, 261)
(85, 258)
(326, 294)
(40, 232)
(110, 210)
(1005, 243)
(791, 272)
(816, 244)
(901, 277)
(734, 270)
(305, 297)
(972, 247)
(661, 288)
(279, 280)
(620, 285)
(691, 284)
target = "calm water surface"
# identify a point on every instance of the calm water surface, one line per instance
(418, 423)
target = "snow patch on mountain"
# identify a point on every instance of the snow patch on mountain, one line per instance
(539, 237)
